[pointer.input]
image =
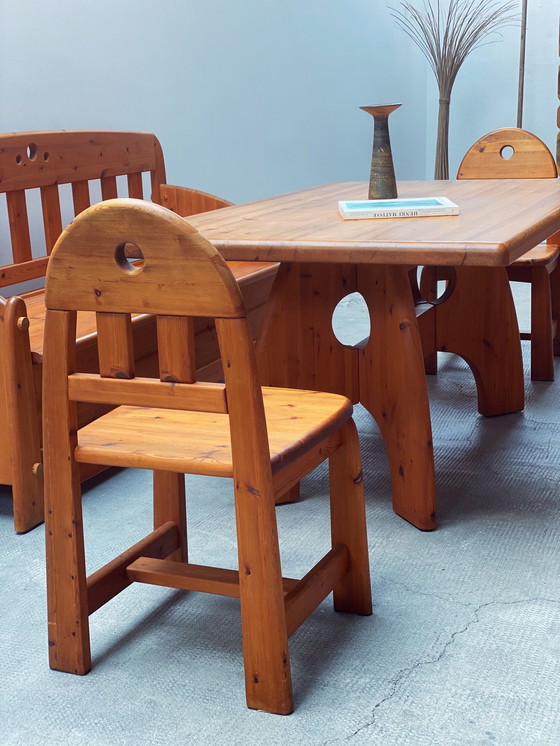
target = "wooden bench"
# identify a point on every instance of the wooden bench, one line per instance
(60, 174)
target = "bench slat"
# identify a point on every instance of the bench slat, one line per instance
(109, 187)
(52, 220)
(135, 187)
(19, 226)
(80, 195)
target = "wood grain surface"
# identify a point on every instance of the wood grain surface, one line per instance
(499, 221)
(266, 439)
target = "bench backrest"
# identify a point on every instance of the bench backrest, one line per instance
(86, 160)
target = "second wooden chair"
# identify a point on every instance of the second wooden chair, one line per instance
(512, 153)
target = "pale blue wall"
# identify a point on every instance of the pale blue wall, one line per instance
(249, 97)
(256, 97)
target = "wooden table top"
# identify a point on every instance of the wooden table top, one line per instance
(499, 221)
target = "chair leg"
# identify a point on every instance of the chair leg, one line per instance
(426, 322)
(293, 495)
(169, 505)
(554, 280)
(69, 647)
(542, 353)
(67, 594)
(348, 523)
(426, 319)
(268, 682)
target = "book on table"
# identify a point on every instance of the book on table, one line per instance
(407, 207)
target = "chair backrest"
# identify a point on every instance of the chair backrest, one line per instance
(86, 160)
(180, 275)
(508, 153)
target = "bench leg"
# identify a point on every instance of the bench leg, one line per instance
(23, 423)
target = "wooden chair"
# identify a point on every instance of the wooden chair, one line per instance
(48, 178)
(266, 439)
(512, 153)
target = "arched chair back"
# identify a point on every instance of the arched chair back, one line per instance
(508, 153)
(512, 153)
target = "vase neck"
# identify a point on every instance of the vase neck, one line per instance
(381, 127)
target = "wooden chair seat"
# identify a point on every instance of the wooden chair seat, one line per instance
(542, 255)
(265, 439)
(200, 442)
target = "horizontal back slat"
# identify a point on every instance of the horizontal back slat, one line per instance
(198, 397)
(41, 158)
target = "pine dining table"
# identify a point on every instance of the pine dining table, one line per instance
(324, 258)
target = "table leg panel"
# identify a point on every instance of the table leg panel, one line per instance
(297, 347)
(393, 389)
(479, 323)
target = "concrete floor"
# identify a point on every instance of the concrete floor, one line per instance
(463, 647)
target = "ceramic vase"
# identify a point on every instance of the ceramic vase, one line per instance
(382, 182)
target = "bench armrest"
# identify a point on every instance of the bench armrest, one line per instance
(185, 201)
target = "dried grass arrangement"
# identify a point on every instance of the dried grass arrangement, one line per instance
(447, 31)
